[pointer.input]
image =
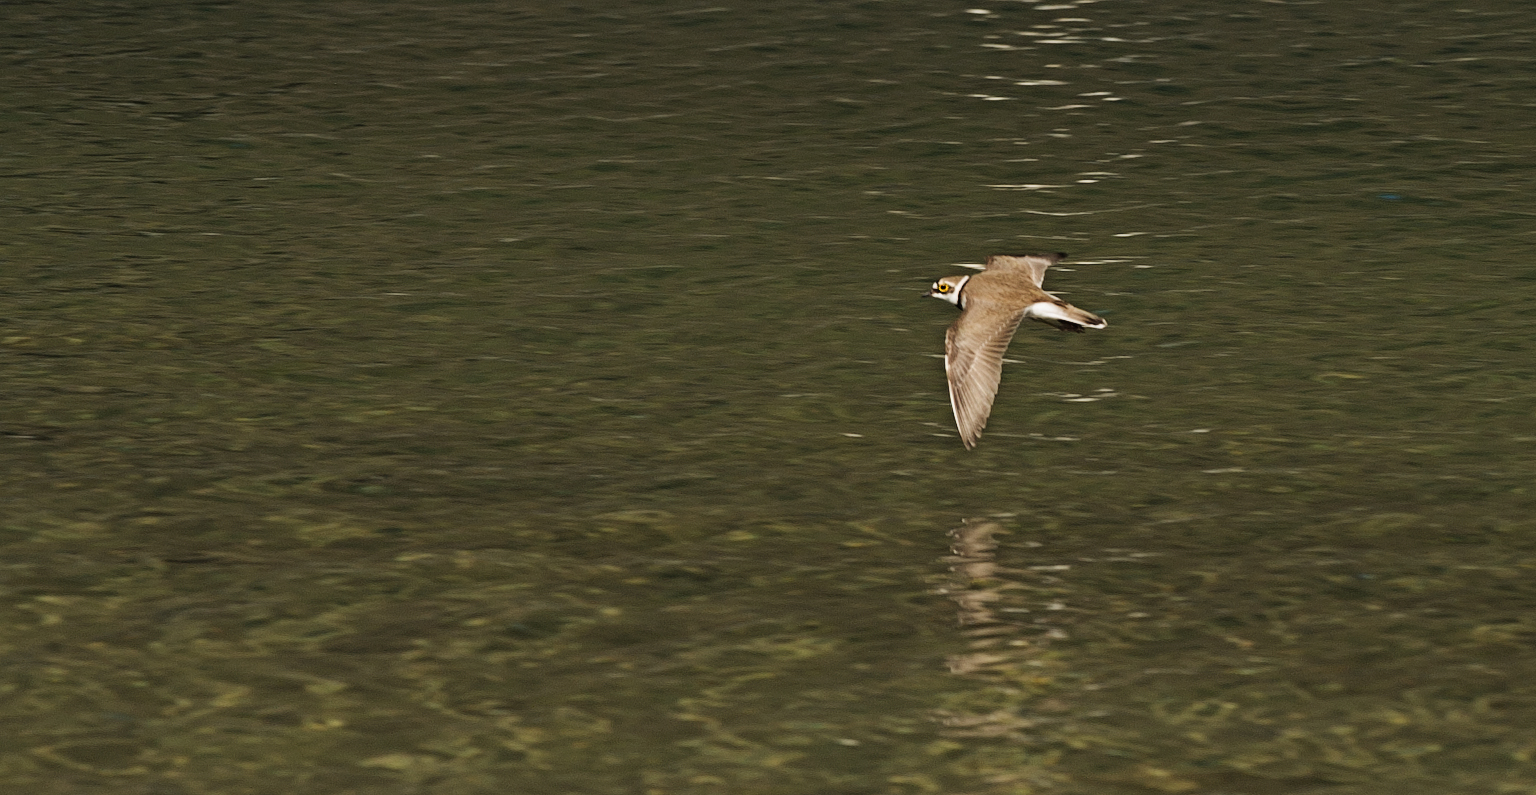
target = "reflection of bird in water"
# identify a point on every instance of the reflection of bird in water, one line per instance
(1003, 646)
(973, 561)
(992, 304)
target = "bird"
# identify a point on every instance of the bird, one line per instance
(992, 304)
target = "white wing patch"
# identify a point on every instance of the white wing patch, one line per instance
(1045, 310)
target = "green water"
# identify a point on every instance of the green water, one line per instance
(471, 398)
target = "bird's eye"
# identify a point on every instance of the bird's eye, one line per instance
(941, 288)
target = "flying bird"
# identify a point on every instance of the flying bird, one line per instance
(992, 304)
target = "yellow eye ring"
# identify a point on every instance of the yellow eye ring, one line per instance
(941, 288)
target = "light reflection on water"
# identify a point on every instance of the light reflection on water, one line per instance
(1310, 687)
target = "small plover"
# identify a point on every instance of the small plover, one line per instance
(992, 304)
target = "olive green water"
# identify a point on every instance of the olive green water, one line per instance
(474, 398)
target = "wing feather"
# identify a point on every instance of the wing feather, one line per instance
(973, 361)
(1032, 266)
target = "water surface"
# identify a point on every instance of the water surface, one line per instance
(469, 399)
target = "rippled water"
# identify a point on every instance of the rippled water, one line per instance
(466, 398)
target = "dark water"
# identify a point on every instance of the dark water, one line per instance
(485, 398)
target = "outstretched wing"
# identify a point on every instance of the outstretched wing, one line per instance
(1031, 265)
(973, 360)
